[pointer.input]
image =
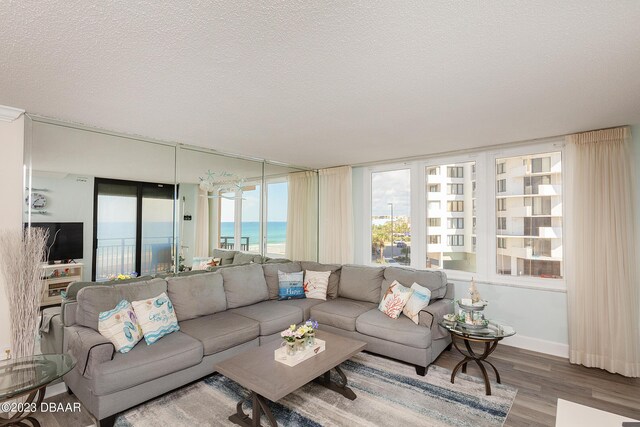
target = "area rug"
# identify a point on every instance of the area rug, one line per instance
(389, 394)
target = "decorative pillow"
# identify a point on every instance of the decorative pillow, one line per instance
(202, 263)
(419, 300)
(290, 285)
(156, 317)
(316, 284)
(120, 326)
(394, 300)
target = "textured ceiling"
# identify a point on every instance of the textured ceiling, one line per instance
(328, 82)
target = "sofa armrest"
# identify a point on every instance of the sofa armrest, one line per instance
(88, 347)
(433, 314)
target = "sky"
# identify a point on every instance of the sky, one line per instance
(391, 187)
(277, 198)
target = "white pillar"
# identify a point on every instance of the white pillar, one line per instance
(12, 124)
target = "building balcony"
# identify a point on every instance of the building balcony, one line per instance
(549, 190)
(550, 232)
(519, 211)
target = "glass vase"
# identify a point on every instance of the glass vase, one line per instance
(311, 339)
(291, 348)
(300, 344)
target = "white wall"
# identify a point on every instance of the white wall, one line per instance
(11, 176)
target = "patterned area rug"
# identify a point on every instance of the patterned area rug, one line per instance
(389, 393)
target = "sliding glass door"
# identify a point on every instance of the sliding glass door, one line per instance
(133, 228)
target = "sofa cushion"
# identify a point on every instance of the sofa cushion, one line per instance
(340, 312)
(434, 280)
(197, 295)
(92, 300)
(71, 293)
(221, 331)
(334, 278)
(361, 283)
(245, 258)
(273, 316)
(394, 300)
(244, 285)
(156, 317)
(145, 363)
(270, 272)
(290, 285)
(226, 256)
(401, 330)
(303, 304)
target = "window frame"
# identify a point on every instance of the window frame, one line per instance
(486, 205)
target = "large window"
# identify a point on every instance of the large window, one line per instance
(509, 231)
(534, 246)
(277, 202)
(390, 217)
(458, 253)
(134, 228)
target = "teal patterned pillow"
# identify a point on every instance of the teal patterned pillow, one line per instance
(120, 326)
(156, 317)
(290, 285)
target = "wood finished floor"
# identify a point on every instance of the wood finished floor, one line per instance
(541, 379)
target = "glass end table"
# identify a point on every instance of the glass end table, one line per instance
(488, 336)
(29, 376)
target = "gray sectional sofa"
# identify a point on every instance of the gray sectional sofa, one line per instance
(228, 311)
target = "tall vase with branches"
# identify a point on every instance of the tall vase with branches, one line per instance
(21, 255)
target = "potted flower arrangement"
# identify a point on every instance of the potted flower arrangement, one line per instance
(300, 334)
(289, 337)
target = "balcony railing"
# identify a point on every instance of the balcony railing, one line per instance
(227, 242)
(118, 256)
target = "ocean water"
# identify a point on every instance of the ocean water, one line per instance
(157, 232)
(276, 231)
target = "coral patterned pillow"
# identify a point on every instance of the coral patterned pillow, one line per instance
(316, 284)
(394, 300)
(120, 326)
(156, 316)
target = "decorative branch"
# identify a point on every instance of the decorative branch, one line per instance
(21, 256)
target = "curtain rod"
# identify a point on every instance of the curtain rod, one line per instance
(478, 149)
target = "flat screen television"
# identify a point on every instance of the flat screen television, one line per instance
(65, 240)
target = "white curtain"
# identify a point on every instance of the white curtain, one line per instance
(601, 253)
(202, 225)
(302, 216)
(335, 216)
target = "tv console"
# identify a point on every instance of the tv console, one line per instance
(56, 278)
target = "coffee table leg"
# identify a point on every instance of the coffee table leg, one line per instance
(259, 406)
(337, 386)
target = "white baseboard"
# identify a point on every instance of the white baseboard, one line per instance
(536, 344)
(55, 389)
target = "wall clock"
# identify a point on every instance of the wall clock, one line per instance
(38, 201)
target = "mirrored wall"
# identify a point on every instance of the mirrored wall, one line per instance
(118, 205)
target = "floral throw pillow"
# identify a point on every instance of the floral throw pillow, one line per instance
(156, 317)
(290, 285)
(120, 326)
(316, 284)
(394, 300)
(418, 301)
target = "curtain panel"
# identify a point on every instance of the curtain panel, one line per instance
(302, 217)
(202, 225)
(601, 253)
(336, 216)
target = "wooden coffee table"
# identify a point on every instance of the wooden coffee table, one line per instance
(256, 370)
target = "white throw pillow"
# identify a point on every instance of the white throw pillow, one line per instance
(418, 301)
(120, 326)
(316, 284)
(156, 317)
(394, 300)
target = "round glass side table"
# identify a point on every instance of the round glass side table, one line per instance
(488, 336)
(26, 379)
